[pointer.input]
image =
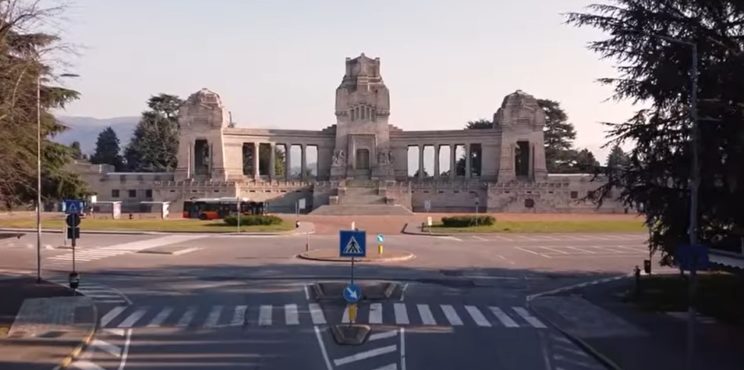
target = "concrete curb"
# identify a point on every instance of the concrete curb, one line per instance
(406, 257)
(604, 360)
(83, 343)
(414, 231)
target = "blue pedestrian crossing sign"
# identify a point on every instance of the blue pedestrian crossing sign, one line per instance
(352, 293)
(352, 243)
(73, 206)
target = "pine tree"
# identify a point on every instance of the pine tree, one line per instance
(651, 42)
(107, 149)
(76, 152)
(154, 144)
(559, 137)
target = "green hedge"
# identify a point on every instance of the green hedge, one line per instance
(466, 221)
(253, 220)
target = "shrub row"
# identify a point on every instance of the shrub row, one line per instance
(465, 221)
(250, 220)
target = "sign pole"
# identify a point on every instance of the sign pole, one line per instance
(239, 214)
(73, 249)
(352, 270)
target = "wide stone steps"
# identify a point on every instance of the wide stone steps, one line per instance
(361, 209)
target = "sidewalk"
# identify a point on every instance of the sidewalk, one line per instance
(636, 340)
(46, 324)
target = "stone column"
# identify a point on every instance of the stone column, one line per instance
(421, 162)
(256, 172)
(453, 170)
(467, 160)
(272, 162)
(288, 161)
(303, 165)
(436, 160)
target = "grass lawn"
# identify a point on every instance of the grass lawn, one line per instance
(719, 295)
(550, 226)
(146, 225)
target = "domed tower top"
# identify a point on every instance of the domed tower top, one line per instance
(519, 109)
(203, 108)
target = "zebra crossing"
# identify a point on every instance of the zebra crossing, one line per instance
(291, 314)
(83, 255)
(100, 294)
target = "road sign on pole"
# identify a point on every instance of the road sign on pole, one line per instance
(352, 293)
(692, 257)
(74, 206)
(352, 243)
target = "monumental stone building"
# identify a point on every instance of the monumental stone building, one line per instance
(361, 165)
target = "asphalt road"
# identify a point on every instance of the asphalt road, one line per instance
(243, 302)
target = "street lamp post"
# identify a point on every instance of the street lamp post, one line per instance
(38, 178)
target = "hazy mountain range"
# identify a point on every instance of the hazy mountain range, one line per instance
(86, 130)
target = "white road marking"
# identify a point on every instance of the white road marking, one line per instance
(187, 317)
(528, 317)
(533, 252)
(106, 346)
(426, 317)
(345, 317)
(477, 316)
(85, 365)
(214, 317)
(133, 318)
(451, 315)
(322, 349)
(449, 238)
(392, 366)
(291, 317)
(264, 315)
(125, 353)
(403, 291)
(554, 250)
(375, 313)
(503, 317)
(238, 315)
(403, 348)
(116, 311)
(365, 355)
(479, 238)
(160, 317)
(401, 315)
(580, 250)
(383, 335)
(307, 292)
(316, 313)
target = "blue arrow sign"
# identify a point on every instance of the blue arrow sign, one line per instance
(352, 243)
(380, 238)
(352, 293)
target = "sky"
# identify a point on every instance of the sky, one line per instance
(277, 63)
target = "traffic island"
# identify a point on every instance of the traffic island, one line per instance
(331, 255)
(372, 290)
(350, 334)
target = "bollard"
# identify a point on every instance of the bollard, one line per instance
(647, 267)
(637, 273)
(380, 249)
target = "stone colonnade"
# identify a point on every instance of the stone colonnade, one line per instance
(452, 159)
(256, 157)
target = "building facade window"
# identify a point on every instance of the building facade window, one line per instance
(115, 193)
(574, 194)
(133, 193)
(148, 193)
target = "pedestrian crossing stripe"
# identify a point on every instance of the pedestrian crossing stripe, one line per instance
(352, 247)
(264, 315)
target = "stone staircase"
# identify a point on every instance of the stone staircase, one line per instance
(361, 198)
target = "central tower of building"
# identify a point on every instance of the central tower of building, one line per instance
(362, 148)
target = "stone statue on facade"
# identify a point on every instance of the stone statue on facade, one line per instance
(385, 157)
(339, 158)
